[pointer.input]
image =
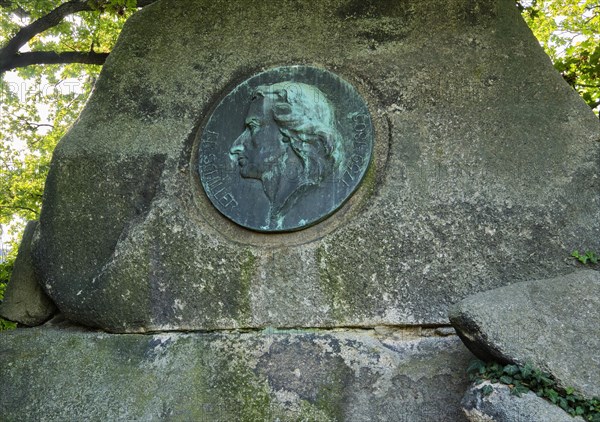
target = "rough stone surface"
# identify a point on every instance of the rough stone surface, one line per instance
(356, 375)
(502, 406)
(485, 170)
(24, 300)
(553, 324)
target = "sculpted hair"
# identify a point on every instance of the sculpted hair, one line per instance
(306, 119)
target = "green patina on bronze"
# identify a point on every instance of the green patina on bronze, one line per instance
(285, 149)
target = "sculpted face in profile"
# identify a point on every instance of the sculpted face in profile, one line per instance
(290, 143)
(285, 149)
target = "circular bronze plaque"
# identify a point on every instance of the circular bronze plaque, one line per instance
(285, 148)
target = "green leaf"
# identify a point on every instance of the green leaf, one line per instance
(551, 394)
(527, 378)
(495, 368)
(519, 389)
(511, 369)
(487, 389)
(526, 370)
(546, 381)
(7, 325)
(476, 366)
(562, 402)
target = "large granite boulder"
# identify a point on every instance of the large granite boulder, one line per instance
(65, 374)
(502, 406)
(553, 324)
(484, 170)
(24, 299)
(483, 173)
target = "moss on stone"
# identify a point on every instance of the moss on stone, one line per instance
(129, 242)
(369, 182)
(330, 398)
(331, 284)
(247, 272)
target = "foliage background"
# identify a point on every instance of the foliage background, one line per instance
(569, 31)
(38, 104)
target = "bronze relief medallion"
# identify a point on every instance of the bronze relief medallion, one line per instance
(285, 148)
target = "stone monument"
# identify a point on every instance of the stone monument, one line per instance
(264, 212)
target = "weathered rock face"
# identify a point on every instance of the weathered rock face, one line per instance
(553, 324)
(502, 406)
(24, 300)
(268, 375)
(484, 171)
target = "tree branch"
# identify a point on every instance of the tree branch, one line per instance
(10, 58)
(44, 23)
(15, 207)
(52, 57)
(35, 126)
(594, 104)
(587, 85)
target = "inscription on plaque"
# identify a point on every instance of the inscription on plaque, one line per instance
(285, 149)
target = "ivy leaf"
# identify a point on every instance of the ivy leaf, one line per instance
(486, 390)
(526, 370)
(546, 381)
(564, 405)
(519, 389)
(552, 395)
(476, 366)
(511, 369)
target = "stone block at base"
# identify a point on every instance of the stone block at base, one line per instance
(58, 373)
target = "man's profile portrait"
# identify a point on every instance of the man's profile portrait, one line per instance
(284, 149)
(290, 143)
